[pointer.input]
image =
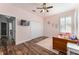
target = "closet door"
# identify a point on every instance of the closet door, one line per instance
(36, 29)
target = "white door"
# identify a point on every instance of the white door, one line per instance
(36, 29)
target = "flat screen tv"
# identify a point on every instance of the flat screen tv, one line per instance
(25, 23)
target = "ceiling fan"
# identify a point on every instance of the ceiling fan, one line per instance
(43, 8)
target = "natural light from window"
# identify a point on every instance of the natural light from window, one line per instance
(66, 24)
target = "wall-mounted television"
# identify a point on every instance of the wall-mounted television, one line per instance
(25, 23)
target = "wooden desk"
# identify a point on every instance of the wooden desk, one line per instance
(60, 44)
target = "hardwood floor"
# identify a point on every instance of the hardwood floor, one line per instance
(29, 48)
(38, 39)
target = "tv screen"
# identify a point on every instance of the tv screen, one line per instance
(25, 23)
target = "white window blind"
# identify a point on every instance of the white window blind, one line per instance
(66, 24)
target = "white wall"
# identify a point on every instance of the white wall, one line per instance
(52, 29)
(23, 33)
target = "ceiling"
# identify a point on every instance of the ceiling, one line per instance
(57, 7)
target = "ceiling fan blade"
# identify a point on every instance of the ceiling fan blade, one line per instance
(39, 8)
(49, 7)
(47, 10)
(34, 10)
(41, 11)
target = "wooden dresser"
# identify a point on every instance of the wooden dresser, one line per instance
(60, 44)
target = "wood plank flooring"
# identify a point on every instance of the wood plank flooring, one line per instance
(30, 48)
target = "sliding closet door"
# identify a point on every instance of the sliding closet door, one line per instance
(36, 29)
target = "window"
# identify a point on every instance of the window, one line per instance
(66, 24)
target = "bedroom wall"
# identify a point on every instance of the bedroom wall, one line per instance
(23, 33)
(51, 23)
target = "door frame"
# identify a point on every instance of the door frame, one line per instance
(8, 19)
